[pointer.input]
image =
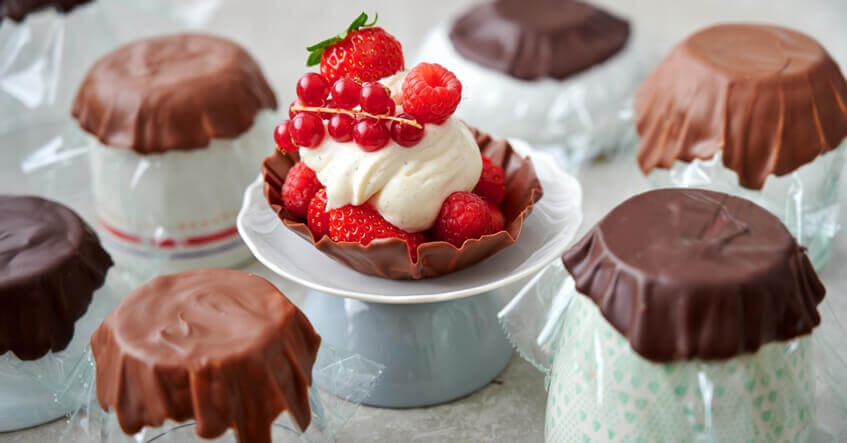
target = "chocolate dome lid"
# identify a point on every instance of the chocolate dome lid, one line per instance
(172, 93)
(538, 38)
(772, 99)
(222, 347)
(51, 263)
(17, 10)
(688, 273)
(390, 258)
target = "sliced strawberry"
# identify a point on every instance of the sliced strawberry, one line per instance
(317, 217)
(364, 224)
(301, 184)
(463, 216)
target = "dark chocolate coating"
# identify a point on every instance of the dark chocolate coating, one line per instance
(688, 273)
(219, 346)
(538, 38)
(17, 10)
(51, 263)
(772, 99)
(390, 258)
(172, 93)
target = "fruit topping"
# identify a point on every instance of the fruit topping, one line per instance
(498, 220)
(371, 134)
(340, 127)
(317, 216)
(404, 134)
(282, 137)
(301, 184)
(307, 130)
(363, 224)
(431, 93)
(363, 53)
(463, 216)
(345, 93)
(312, 89)
(492, 184)
(376, 99)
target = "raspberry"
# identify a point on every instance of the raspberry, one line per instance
(301, 184)
(431, 93)
(317, 217)
(491, 185)
(363, 224)
(463, 216)
(498, 220)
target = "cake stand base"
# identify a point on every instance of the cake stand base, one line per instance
(433, 352)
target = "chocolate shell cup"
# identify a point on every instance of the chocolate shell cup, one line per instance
(172, 93)
(51, 262)
(770, 98)
(222, 347)
(539, 38)
(390, 258)
(17, 10)
(687, 273)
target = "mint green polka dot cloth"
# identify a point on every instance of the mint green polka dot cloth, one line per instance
(602, 391)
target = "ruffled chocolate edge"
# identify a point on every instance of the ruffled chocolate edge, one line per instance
(38, 315)
(222, 394)
(390, 258)
(17, 10)
(709, 324)
(763, 128)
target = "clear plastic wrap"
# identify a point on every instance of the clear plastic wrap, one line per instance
(177, 207)
(599, 389)
(576, 119)
(806, 200)
(350, 376)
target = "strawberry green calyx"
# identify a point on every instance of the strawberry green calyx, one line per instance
(316, 51)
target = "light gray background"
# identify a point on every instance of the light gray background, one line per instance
(276, 32)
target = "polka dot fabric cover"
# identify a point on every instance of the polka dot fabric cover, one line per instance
(602, 391)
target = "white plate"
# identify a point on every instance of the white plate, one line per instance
(545, 235)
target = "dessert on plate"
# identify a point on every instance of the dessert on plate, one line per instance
(691, 320)
(554, 72)
(52, 265)
(177, 126)
(375, 170)
(220, 347)
(769, 128)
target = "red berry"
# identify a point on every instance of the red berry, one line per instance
(498, 220)
(371, 134)
(317, 216)
(299, 187)
(431, 93)
(340, 127)
(463, 216)
(327, 115)
(491, 185)
(363, 224)
(282, 137)
(364, 54)
(312, 89)
(307, 130)
(345, 93)
(404, 134)
(376, 99)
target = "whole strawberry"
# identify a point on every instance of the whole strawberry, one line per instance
(301, 184)
(363, 224)
(463, 216)
(363, 52)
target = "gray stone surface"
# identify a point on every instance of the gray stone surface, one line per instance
(512, 409)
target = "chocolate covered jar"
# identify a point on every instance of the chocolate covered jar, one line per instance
(756, 111)
(689, 319)
(179, 125)
(51, 270)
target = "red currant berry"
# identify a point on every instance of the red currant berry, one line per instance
(346, 92)
(328, 115)
(312, 89)
(282, 137)
(376, 99)
(371, 134)
(307, 130)
(340, 127)
(404, 134)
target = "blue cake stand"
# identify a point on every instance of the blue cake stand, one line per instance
(439, 338)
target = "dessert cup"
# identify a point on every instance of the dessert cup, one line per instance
(50, 302)
(771, 129)
(572, 110)
(699, 328)
(170, 159)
